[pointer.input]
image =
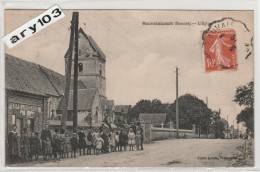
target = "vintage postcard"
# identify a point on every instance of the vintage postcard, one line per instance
(129, 88)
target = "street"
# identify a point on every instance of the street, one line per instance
(166, 153)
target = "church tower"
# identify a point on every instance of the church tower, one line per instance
(91, 64)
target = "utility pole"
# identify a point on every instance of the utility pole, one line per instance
(233, 130)
(75, 91)
(227, 126)
(177, 104)
(68, 74)
(238, 131)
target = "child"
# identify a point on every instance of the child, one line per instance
(82, 142)
(117, 141)
(47, 148)
(74, 144)
(66, 145)
(138, 139)
(56, 141)
(35, 145)
(62, 139)
(121, 139)
(131, 139)
(113, 141)
(99, 144)
(89, 142)
(94, 140)
(124, 139)
(25, 145)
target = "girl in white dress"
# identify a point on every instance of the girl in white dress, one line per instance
(131, 139)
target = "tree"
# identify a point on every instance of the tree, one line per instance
(192, 110)
(218, 125)
(147, 106)
(244, 96)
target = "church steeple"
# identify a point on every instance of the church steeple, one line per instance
(91, 63)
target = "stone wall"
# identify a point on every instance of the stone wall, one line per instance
(165, 133)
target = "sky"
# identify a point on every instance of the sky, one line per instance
(141, 59)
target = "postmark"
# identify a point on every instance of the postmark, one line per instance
(225, 43)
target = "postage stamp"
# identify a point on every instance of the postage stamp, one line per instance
(221, 42)
(220, 50)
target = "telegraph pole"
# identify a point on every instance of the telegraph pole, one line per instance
(227, 126)
(238, 131)
(75, 91)
(177, 104)
(68, 74)
(233, 130)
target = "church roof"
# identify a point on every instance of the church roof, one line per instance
(122, 108)
(86, 99)
(93, 44)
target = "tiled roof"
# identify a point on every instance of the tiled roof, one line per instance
(24, 76)
(122, 108)
(27, 77)
(85, 99)
(93, 44)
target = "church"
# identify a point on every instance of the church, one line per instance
(92, 100)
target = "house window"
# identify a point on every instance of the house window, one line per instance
(80, 67)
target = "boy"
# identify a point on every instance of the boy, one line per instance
(74, 144)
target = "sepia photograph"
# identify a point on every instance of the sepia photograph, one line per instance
(129, 88)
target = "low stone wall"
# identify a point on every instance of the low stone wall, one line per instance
(165, 133)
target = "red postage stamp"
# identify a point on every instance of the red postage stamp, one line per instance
(220, 50)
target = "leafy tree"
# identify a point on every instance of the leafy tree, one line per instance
(147, 106)
(244, 96)
(192, 110)
(218, 125)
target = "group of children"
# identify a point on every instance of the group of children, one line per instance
(60, 144)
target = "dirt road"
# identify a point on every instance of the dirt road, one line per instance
(166, 153)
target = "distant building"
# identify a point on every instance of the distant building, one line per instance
(156, 119)
(122, 111)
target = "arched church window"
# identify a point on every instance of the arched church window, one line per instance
(80, 67)
(100, 70)
(79, 52)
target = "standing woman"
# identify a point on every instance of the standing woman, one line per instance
(82, 142)
(13, 144)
